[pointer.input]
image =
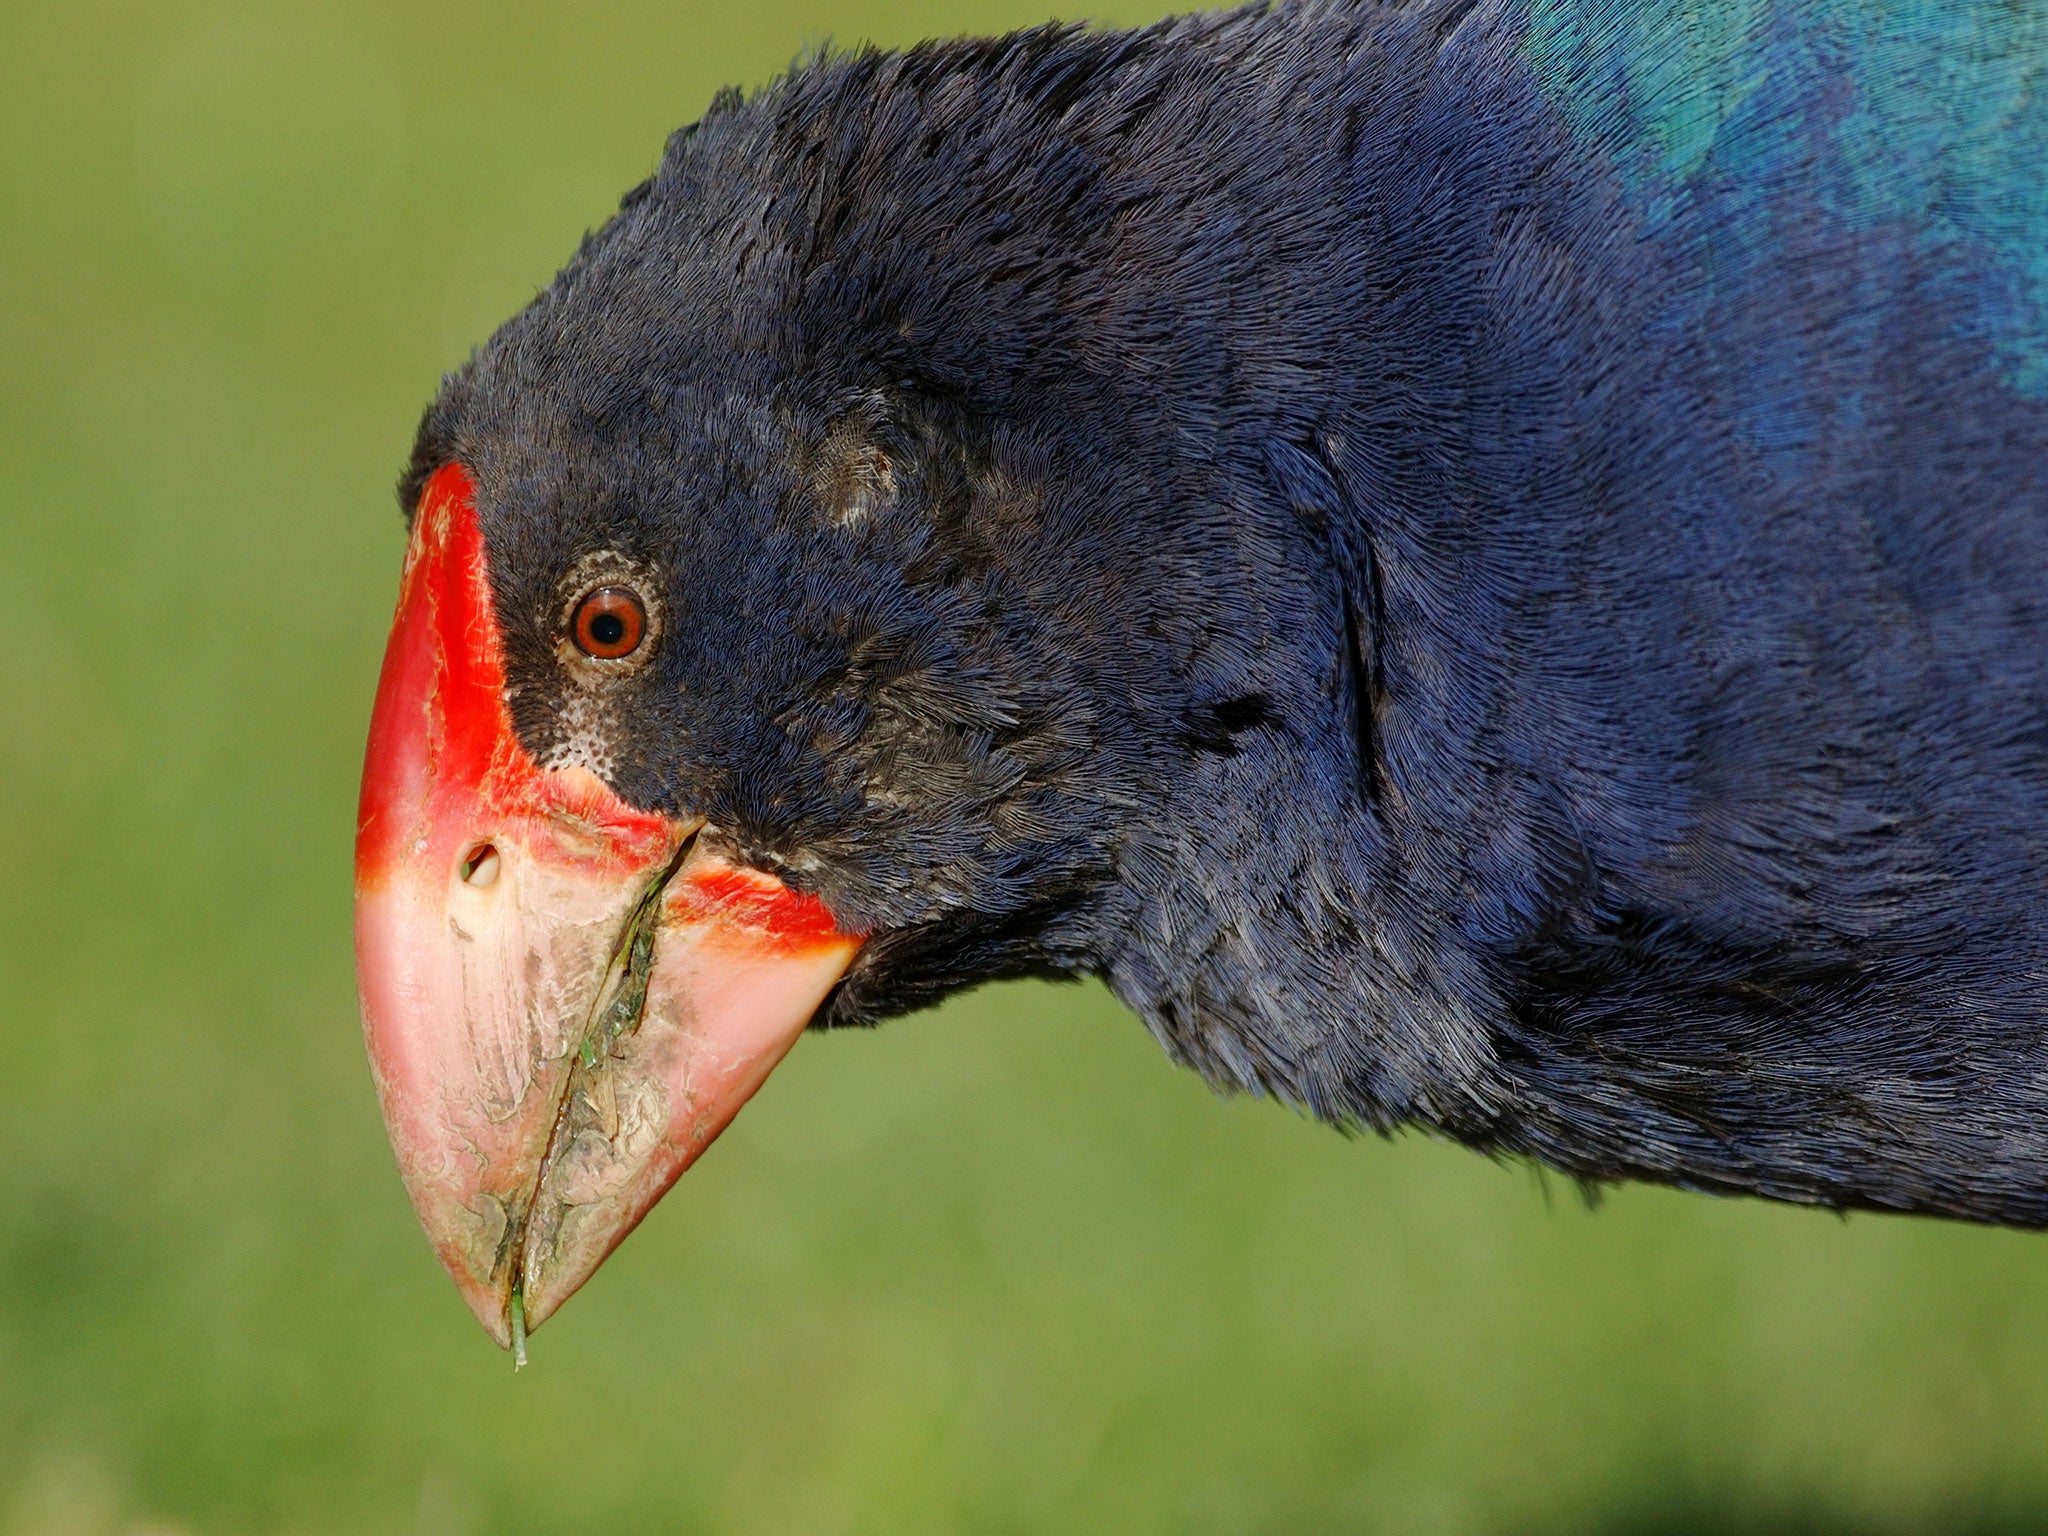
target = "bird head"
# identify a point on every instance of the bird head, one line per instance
(732, 687)
(667, 756)
(832, 592)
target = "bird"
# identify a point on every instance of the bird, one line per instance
(1482, 563)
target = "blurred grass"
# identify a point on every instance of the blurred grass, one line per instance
(993, 1270)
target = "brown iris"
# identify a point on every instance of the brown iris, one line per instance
(609, 622)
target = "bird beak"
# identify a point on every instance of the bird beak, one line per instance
(565, 998)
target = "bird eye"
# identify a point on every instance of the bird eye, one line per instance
(609, 623)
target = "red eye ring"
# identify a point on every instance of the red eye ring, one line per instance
(609, 623)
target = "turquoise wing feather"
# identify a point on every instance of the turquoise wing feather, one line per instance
(1927, 115)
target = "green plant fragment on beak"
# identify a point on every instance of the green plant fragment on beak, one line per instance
(625, 990)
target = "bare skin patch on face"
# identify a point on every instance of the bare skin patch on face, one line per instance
(597, 656)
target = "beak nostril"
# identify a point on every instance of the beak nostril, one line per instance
(480, 869)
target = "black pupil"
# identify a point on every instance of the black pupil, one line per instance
(607, 629)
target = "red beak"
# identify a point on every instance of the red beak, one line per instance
(565, 998)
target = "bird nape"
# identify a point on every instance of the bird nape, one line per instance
(1484, 564)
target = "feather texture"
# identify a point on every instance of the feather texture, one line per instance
(1484, 563)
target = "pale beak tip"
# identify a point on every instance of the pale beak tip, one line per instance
(490, 1307)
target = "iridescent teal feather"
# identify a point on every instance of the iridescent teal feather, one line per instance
(1926, 114)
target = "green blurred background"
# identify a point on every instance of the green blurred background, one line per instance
(998, 1269)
